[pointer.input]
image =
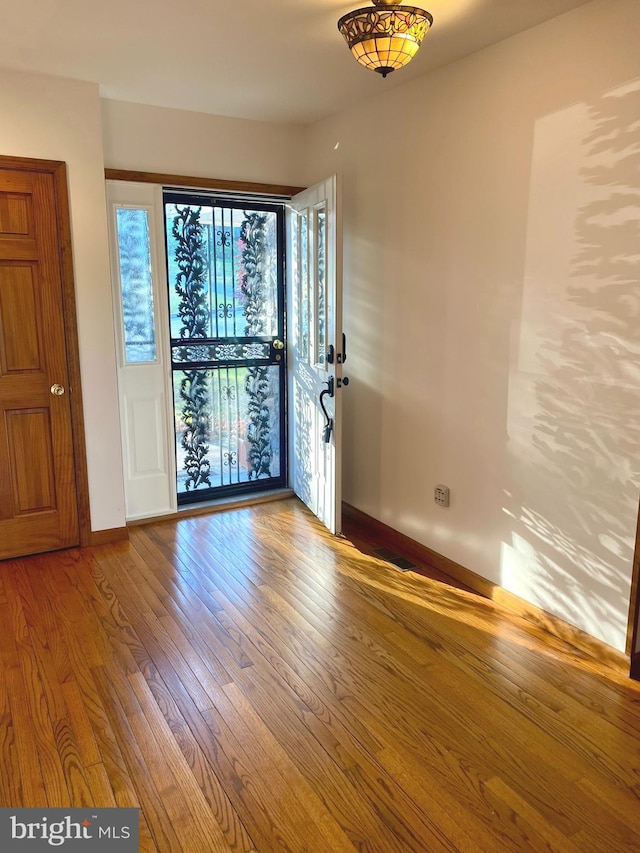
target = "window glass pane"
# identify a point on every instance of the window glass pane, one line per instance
(303, 301)
(321, 302)
(136, 285)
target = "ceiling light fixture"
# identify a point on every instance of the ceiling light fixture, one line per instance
(387, 37)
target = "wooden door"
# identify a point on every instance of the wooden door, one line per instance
(38, 506)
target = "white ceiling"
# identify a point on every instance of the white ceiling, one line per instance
(273, 60)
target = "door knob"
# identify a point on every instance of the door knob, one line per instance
(278, 344)
(57, 390)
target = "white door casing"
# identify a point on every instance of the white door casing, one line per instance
(315, 349)
(314, 333)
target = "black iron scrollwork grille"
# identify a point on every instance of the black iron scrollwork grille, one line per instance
(256, 384)
(194, 390)
(226, 304)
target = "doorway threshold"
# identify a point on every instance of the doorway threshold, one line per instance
(217, 505)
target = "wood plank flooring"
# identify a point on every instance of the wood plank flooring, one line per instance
(253, 684)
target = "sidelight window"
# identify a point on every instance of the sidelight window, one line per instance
(136, 285)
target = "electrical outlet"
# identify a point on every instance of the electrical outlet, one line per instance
(441, 495)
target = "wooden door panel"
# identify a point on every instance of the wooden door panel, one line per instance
(15, 215)
(20, 347)
(29, 439)
(14, 181)
(17, 248)
(38, 509)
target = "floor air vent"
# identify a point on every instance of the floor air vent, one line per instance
(390, 556)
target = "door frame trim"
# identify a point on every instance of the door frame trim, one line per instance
(199, 183)
(58, 170)
(633, 628)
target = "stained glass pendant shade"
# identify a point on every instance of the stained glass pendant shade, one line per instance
(386, 37)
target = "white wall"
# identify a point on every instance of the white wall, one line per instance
(492, 296)
(157, 139)
(49, 118)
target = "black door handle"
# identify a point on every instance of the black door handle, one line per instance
(328, 426)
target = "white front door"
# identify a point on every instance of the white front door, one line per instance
(316, 349)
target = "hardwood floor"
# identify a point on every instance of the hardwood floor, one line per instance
(253, 684)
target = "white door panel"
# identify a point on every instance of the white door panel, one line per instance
(145, 457)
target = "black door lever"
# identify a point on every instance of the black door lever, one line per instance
(328, 427)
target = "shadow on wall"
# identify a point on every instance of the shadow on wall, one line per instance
(574, 408)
